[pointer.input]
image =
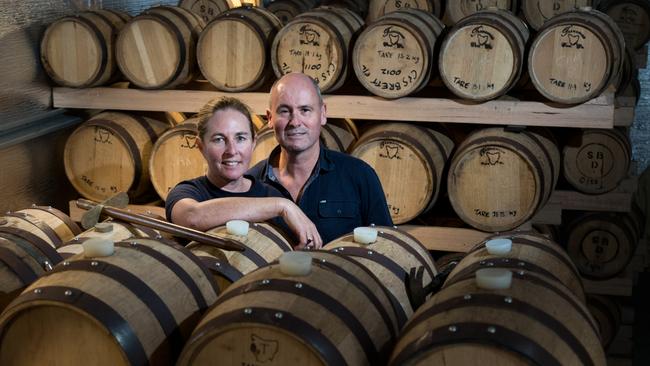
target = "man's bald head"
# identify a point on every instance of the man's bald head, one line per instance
(295, 80)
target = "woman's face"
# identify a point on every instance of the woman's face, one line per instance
(227, 146)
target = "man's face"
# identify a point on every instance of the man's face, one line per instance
(296, 114)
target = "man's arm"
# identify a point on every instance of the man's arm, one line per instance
(377, 208)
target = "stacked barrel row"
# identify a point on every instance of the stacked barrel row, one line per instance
(497, 178)
(137, 303)
(573, 57)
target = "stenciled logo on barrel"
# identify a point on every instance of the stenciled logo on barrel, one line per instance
(572, 37)
(188, 140)
(481, 38)
(599, 247)
(102, 135)
(491, 156)
(264, 350)
(308, 48)
(391, 60)
(595, 162)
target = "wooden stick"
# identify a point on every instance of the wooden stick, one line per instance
(177, 230)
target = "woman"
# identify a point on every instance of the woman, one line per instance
(226, 140)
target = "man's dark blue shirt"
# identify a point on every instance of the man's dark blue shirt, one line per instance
(342, 193)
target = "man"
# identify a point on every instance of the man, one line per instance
(336, 191)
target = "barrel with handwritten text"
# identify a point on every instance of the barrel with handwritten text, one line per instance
(317, 43)
(400, 150)
(110, 153)
(176, 157)
(632, 17)
(334, 313)
(576, 56)
(499, 178)
(596, 161)
(513, 317)
(263, 243)
(459, 9)
(135, 306)
(286, 10)
(602, 243)
(79, 51)
(208, 9)
(394, 56)
(157, 49)
(537, 12)
(246, 32)
(379, 8)
(483, 55)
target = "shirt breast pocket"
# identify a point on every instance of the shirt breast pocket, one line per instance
(338, 209)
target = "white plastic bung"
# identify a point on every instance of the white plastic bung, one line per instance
(98, 247)
(499, 247)
(493, 278)
(295, 263)
(237, 227)
(365, 235)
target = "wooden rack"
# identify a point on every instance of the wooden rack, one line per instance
(596, 113)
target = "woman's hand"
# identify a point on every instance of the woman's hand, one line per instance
(301, 225)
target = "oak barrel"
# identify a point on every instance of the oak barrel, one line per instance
(335, 135)
(391, 257)
(208, 9)
(246, 33)
(531, 252)
(264, 243)
(401, 153)
(498, 179)
(595, 161)
(28, 239)
(286, 10)
(110, 153)
(632, 17)
(459, 9)
(378, 8)
(134, 307)
(317, 43)
(176, 157)
(601, 244)
(576, 56)
(79, 50)
(359, 7)
(157, 49)
(607, 313)
(394, 56)
(483, 55)
(537, 12)
(338, 314)
(537, 320)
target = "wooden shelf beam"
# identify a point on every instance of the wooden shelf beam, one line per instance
(596, 113)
